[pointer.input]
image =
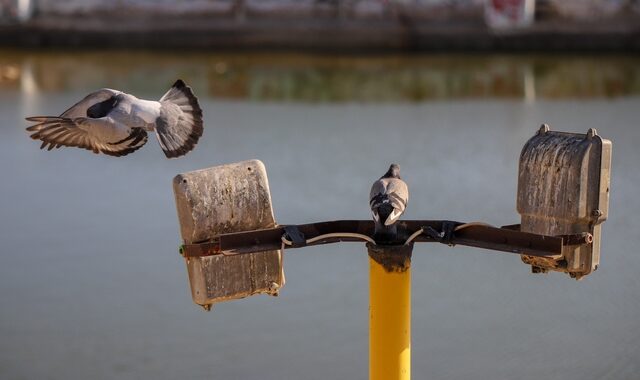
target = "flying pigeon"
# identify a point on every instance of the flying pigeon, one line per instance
(388, 199)
(115, 123)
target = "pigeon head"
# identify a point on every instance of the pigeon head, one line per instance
(393, 172)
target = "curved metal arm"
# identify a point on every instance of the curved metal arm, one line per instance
(474, 234)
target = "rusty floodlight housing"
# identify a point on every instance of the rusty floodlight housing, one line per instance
(220, 200)
(563, 189)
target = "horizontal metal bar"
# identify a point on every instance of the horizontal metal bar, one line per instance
(480, 236)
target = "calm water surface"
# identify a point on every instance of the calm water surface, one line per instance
(92, 287)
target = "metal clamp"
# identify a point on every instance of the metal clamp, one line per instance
(293, 234)
(445, 236)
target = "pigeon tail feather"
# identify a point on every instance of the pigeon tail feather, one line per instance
(384, 211)
(180, 125)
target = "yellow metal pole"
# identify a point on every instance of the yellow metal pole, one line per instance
(389, 319)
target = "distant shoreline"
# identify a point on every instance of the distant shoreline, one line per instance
(317, 34)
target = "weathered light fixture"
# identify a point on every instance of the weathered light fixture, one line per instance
(222, 200)
(563, 189)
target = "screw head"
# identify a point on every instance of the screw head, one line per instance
(544, 128)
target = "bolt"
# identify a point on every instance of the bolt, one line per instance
(206, 307)
(544, 128)
(273, 288)
(589, 238)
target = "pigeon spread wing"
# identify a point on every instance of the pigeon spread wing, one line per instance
(80, 109)
(98, 135)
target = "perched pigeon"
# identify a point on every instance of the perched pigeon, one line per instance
(388, 199)
(116, 123)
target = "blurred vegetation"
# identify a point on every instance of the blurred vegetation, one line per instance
(309, 78)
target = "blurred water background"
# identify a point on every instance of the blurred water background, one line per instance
(92, 286)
